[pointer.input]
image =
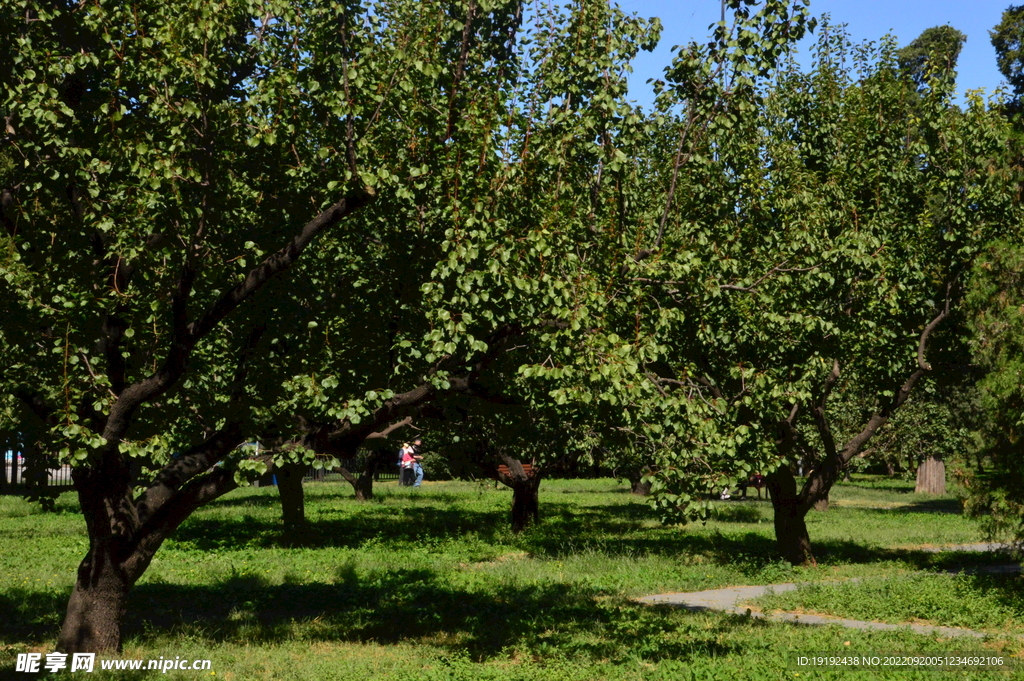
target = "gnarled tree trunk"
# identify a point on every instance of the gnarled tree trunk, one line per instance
(125, 533)
(525, 507)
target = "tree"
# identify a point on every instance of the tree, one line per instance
(932, 55)
(934, 425)
(1008, 38)
(491, 256)
(825, 232)
(202, 198)
(996, 302)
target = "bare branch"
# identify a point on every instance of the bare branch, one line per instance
(923, 341)
(380, 434)
(460, 69)
(821, 415)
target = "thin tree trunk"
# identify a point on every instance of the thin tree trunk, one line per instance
(525, 482)
(525, 507)
(640, 488)
(931, 477)
(289, 486)
(364, 484)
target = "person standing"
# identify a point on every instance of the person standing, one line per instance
(406, 459)
(417, 467)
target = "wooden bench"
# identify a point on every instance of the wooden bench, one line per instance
(504, 470)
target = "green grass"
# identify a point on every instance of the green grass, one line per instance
(430, 584)
(993, 603)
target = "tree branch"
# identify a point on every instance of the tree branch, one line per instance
(381, 434)
(151, 534)
(277, 263)
(185, 336)
(193, 462)
(825, 476)
(821, 416)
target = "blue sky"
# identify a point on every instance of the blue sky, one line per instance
(686, 20)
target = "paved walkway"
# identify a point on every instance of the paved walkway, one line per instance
(730, 598)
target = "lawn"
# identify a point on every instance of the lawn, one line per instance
(430, 584)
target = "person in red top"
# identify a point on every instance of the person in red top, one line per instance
(406, 459)
(417, 458)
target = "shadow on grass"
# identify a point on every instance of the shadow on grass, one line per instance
(393, 607)
(906, 488)
(738, 514)
(920, 506)
(625, 530)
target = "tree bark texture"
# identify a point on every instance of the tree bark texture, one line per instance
(97, 604)
(125, 533)
(931, 477)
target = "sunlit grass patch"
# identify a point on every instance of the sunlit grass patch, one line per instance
(993, 603)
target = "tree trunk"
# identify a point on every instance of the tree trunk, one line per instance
(96, 607)
(931, 477)
(525, 509)
(289, 486)
(92, 622)
(821, 504)
(640, 488)
(364, 484)
(791, 535)
(524, 479)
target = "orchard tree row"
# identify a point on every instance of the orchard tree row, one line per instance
(306, 223)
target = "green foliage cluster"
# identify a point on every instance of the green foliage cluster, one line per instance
(932, 56)
(299, 223)
(1008, 40)
(997, 305)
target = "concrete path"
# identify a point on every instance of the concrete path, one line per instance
(730, 599)
(966, 548)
